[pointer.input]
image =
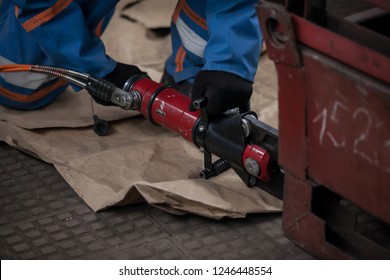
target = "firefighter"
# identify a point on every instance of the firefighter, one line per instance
(215, 49)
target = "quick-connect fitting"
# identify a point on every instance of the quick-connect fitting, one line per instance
(126, 100)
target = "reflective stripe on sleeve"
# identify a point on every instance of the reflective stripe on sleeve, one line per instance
(44, 16)
(26, 80)
(191, 41)
(194, 16)
(34, 96)
(179, 60)
(177, 11)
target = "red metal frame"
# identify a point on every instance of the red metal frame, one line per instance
(342, 49)
(334, 133)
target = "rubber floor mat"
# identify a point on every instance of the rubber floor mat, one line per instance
(43, 218)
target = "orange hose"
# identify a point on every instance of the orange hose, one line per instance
(15, 67)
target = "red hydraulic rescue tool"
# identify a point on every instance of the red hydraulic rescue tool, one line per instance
(240, 140)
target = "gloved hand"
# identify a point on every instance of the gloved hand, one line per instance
(224, 91)
(121, 73)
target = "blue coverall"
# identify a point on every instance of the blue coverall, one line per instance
(206, 35)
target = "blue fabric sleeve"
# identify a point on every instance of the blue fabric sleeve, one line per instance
(66, 39)
(34, 5)
(235, 37)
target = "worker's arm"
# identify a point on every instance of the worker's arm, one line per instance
(230, 57)
(60, 30)
(235, 37)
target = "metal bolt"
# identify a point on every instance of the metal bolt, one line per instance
(252, 180)
(201, 128)
(135, 99)
(252, 167)
(246, 127)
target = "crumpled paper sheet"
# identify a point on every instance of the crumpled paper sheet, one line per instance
(137, 162)
(151, 13)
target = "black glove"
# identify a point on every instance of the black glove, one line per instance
(121, 73)
(223, 90)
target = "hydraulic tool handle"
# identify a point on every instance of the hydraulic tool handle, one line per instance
(216, 168)
(211, 168)
(100, 89)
